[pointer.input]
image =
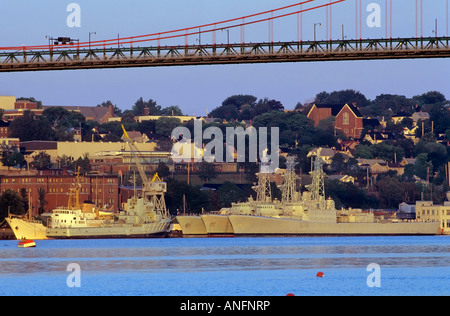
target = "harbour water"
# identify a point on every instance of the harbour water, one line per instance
(228, 267)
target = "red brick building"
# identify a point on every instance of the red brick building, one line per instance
(102, 190)
(5, 132)
(348, 118)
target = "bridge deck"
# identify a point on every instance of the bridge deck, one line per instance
(65, 57)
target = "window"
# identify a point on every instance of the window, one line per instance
(346, 119)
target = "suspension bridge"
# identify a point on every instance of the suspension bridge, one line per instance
(165, 49)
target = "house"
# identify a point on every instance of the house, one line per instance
(368, 163)
(378, 168)
(342, 178)
(137, 137)
(420, 116)
(92, 113)
(348, 118)
(410, 133)
(400, 116)
(378, 137)
(326, 154)
(407, 161)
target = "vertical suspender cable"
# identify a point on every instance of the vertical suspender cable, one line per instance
(390, 18)
(331, 23)
(360, 20)
(356, 18)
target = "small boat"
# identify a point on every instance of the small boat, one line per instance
(26, 243)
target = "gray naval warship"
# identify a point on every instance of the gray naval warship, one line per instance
(143, 217)
(297, 214)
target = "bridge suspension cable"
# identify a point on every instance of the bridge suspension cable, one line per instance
(186, 31)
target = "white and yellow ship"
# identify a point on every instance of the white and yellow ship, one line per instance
(25, 228)
(142, 217)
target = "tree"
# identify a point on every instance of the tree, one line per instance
(42, 200)
(172, 110)
(165, 125)
(41, 161)
(107, 104)
(338, 163)
(31, 127)
(140, 105)
(265, 105)
(60, 117)
(422, 167)
(12, 157)
(390, 191)
(162, 170)
(196, 199)
(84, 164)
(65, 161)
(11, 202)
(342, 97)
(431, 97)
(228, 193)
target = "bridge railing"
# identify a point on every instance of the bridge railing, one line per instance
(60, 58)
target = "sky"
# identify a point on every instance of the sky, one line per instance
(198, 89)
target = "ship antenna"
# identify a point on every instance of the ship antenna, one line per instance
(288, 188)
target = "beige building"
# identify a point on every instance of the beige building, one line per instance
(7, 102)
(426, 211)
(95, 149)
(182, 118)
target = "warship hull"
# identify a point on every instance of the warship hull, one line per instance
(192, 226)
(147, 230)
(244, 225)
(24, 229)
(217, 225)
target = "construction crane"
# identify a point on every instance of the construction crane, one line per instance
(153, 190)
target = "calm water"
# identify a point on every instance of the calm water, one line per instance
(228, 266)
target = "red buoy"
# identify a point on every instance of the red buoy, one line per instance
(26, 243)
(290, 294)
(320, 274)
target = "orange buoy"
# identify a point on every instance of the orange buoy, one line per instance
(320, 274)
(290, 294)
(26, 243)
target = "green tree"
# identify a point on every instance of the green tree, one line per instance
(11, 202)
(162, 170)
(60, 117)
(140, 105)
(11, 156)
(228, 193)
(83, 163)
(42, 200)
(31, 127)
(172, 110)
(41, 161)
(107, 104)
(342, 97)
(165, 125)
(422, 166)
(390, 192)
